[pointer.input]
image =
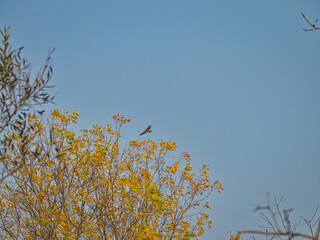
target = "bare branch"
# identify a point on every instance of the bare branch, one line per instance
(313, 24)
(274, 233)
(286, 228)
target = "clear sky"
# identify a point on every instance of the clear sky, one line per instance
(234, 83)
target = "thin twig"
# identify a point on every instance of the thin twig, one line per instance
(274, 233)
(312, 24)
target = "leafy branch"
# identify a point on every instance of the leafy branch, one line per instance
(19, 94)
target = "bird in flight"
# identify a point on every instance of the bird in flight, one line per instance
(146, 131)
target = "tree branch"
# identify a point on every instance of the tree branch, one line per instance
(275, 234)
(312, 24)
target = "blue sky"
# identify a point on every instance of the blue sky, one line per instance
(234, 83)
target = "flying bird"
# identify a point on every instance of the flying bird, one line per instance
(146, 131)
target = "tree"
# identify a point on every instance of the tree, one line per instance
(87, 186)
(18, 93)
(280, 224)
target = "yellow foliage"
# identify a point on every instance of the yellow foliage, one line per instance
(234, 237)
(65, 185)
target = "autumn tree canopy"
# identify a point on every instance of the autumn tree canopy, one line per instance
(86, 186)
